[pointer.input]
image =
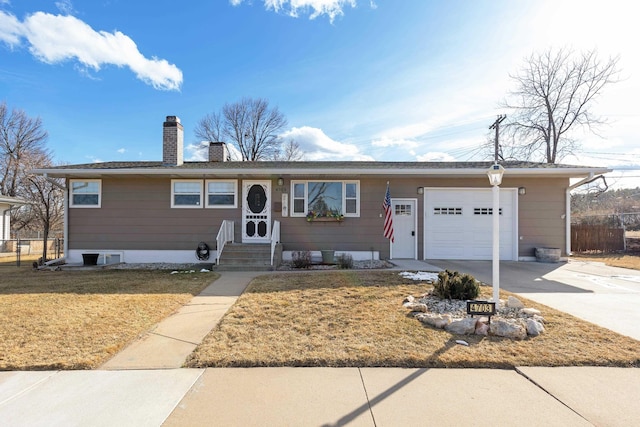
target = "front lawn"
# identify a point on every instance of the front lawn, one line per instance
(356, 318)
(79, 319)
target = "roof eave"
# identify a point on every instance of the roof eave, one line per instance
(199, 172)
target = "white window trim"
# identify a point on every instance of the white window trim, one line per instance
(235, 194)
(173, 205)
(355, 214)
(71, 194)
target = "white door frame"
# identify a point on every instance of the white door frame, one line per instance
(414, 203)
(247, 215)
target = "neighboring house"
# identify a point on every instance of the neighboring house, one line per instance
(159, 211)
(6, 204)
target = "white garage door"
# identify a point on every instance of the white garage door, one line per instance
(459, 223)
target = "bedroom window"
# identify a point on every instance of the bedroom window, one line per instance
(186, 193)
(86, 193)
(222, 193)
(325, 198)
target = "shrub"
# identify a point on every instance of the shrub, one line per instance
(301, 259)
(344, 261)
(453, 285)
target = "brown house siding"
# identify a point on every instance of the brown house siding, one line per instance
(136, 214)
(541, 214)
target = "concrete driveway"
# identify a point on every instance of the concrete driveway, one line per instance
(606, 296)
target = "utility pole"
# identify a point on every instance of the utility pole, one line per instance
(496, 126)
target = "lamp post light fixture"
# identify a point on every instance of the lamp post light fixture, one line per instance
(495, 179)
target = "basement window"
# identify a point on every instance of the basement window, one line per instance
(85, 193)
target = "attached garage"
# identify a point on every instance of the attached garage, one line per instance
(458, 223)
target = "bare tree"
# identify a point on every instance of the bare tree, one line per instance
(23, 148)
(20, 137)
(289, 151)
(249, 124)
(47, 207)
(555, 90)
(210, 128)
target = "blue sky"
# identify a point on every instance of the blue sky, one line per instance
(356, 79)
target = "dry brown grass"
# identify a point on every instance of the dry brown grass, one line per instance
(614, 260)
(79, 319)
(355, 318)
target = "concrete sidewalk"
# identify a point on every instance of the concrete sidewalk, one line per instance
(169, 343)
(132, 390)
(584, 396)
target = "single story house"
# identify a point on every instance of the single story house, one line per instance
(160, 211)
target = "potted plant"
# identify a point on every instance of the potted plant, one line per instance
(331, 215)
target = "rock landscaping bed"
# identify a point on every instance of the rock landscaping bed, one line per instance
(512, 319)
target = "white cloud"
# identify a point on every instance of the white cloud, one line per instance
(331, 8)
(122, 150)
(318, 146)
(196, 152)
(66, 7)
(56, 38)
(9, 29)
(435, 157)
(389, 142)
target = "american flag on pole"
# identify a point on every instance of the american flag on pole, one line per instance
(388, 217)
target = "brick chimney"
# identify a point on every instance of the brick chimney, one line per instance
(172, 142)
(218, 152)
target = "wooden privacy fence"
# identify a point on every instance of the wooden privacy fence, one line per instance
(596, 237)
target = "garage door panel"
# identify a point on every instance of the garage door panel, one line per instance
(451, 251)
(459, 224)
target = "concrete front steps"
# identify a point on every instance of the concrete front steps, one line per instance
(248, 257)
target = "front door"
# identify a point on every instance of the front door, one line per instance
(404, 228)
(256, 211)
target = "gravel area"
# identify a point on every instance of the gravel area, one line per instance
(286, 266)
(357, 265)
(159, 266)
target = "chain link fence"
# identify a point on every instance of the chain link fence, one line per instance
(16, 252)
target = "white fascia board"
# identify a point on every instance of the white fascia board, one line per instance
(12, 201)
(173, 172)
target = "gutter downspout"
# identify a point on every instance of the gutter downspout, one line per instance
(567, 226)
(65, 221)
(4, 222)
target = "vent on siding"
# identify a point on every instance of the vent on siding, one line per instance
(447, 211)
